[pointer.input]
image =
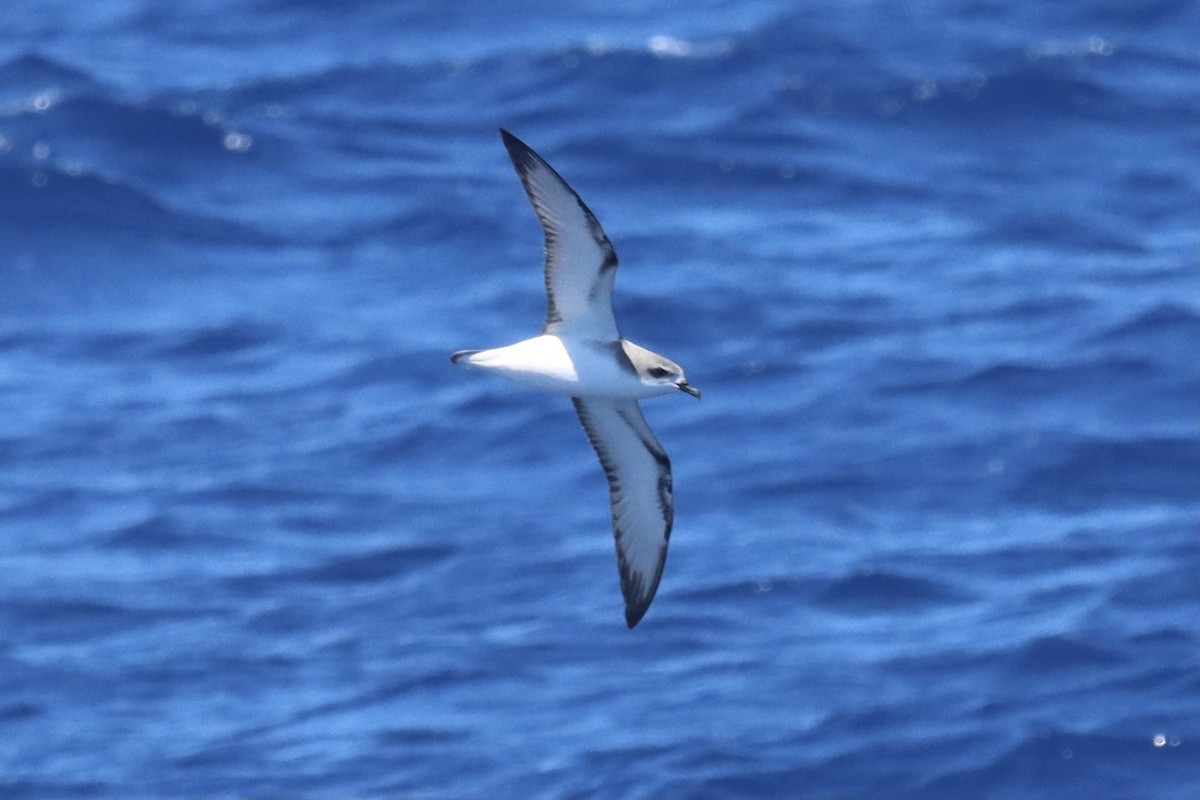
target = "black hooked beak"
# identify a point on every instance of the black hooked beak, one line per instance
(684, 386)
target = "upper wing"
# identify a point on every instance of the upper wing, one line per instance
(580, 261)
(639, 490)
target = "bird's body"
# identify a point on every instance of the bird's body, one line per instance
(580, 354)
(569, 366)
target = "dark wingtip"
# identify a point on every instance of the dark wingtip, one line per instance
(522, 155)
(461, 354)
(511, 141)
(634, 614)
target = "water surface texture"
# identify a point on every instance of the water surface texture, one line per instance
(935, 269)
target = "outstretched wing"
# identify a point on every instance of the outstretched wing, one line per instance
(639, 491)
(580, 261)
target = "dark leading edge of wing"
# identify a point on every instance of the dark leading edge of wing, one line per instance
(640, 495)
(580, 260)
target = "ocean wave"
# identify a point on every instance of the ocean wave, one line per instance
(382, 565)
(55, 208)
(27, 76)
(884, 591)
(221, 341)
(1059, 762)
(158, 532)
(1166, 323)
(1113, 472)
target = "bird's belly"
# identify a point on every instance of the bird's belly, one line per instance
(578, 369)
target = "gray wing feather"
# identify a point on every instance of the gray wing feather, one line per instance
(580, 261)
(640, 494)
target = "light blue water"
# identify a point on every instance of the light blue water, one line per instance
(935, 270)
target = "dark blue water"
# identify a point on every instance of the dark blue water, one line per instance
(935, 270)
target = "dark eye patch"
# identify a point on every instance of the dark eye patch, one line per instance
(659, 372)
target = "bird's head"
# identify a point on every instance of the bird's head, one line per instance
(659, 372)
(668, 375)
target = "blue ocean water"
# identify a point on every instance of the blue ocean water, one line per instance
(934, 267)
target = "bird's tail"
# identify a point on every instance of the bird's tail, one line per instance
(463, 357)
